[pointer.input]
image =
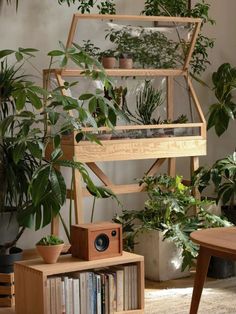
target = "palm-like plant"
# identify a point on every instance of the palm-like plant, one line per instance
(35, 186)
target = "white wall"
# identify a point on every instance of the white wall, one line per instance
(41, 24)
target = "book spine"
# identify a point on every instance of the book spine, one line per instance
(75, 295)
(99, 293)
(119, 290)
(126, 288)
(111, 293)
(63, 300)
(48, 296)
(53, 295)
(58, 296)
(83, 293)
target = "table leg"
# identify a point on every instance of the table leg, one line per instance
(200, 276)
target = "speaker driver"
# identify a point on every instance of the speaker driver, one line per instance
(101, 242)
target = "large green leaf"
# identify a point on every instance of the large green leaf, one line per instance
(6, 52)
(58, 186)
(39, 184)
(34, 99)
(35, 149)
(20, 101)
(18, 152)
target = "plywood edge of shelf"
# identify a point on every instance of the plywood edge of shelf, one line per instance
(67, 263)
(119, 72)
(138, 311)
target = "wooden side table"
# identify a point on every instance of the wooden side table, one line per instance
(219, 242)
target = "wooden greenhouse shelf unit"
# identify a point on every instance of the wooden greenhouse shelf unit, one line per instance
(167, 146)
(31, 277)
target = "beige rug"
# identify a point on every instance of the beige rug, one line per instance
(219, 297)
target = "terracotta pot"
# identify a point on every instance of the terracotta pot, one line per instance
(50, 253)
(126, 63)
(108, 62)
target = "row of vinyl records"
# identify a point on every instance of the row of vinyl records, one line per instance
(101, 291)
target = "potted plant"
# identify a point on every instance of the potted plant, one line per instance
(108, 59)
(49, 248)
(167, 215)
(223, 176)
(125, 61)
(33, 185)
(200, 9)
(148, 99)
(127, 45)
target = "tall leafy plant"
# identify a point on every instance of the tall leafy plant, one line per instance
(34, 185)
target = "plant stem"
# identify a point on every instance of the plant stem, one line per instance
(93, 208)
(65, 227)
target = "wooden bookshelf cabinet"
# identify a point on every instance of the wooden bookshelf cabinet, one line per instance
(31, 277)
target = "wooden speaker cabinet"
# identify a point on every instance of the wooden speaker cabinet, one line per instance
(96, 241)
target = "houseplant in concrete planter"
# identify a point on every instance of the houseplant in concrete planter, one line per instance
(168, 213)
(49, 248)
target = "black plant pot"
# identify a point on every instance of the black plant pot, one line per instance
(230, 213)
(220, 268)
(7, 261)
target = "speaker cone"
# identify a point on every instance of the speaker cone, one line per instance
(101, 242)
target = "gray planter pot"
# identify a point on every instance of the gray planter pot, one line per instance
(9, 227)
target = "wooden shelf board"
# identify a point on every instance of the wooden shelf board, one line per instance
(136, 149)
(67, 263)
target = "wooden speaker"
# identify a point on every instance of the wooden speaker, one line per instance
(96, 240)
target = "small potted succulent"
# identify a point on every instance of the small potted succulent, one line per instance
(108, 59)
(49, 248)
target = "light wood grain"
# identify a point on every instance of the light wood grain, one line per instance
(219, 242)
(31, 276)
(137, 149)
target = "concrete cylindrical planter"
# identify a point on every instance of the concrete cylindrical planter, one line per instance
(50, 253)
(109, 62)
(163, 260)
(126, 63)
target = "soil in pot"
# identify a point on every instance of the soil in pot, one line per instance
(7, 260)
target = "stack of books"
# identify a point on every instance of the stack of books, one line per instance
(100, 291)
